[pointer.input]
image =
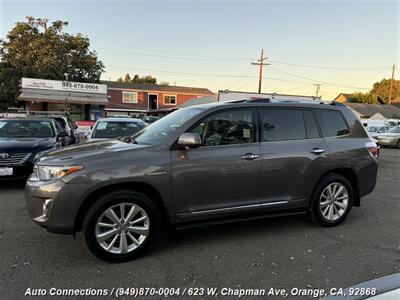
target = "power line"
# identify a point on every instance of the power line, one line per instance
(319, 81)
(330, 67)
(172, 57)
(177, 53)
(177, 73)
(194, 57)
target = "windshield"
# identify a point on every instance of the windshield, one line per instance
(372, 129)
(26, 129)
(114, 129)
(395, 130)
(154, 133)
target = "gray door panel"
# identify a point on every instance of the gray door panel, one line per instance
(216, 177)
(290, 169)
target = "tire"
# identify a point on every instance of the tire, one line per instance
(398, 144)
(321, 212)
(100, 232)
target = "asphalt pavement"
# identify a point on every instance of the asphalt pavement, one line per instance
(284, 252)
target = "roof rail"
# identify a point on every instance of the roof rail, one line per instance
(286, 100)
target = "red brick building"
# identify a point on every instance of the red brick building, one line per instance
(135, 98)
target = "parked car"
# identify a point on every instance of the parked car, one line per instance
(150, 119)
(374, 131)
(65, 123)
(111, 128)
(390, 138)
(383, 288)
(210, 163)
(70, 128)
(23, 139)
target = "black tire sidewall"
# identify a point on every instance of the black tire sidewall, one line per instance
(112, 199)
(323, 183)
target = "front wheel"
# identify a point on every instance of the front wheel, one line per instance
(121, 226)
(332, 200)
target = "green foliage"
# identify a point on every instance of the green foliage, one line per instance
(381, 89)
(39, 49)
(127, 78)
(148, 79)
(359, 97)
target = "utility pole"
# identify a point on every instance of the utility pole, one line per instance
(260, 63)
(391, 85)
(317, 89)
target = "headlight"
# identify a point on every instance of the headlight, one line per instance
(46, 173)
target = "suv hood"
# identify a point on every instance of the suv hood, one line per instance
(22, 145)
(87, 150)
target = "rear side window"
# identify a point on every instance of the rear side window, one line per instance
(282, 125)
(332, 122)
(311, 125)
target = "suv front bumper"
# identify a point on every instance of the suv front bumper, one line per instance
(54, 205)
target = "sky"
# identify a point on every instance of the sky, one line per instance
(345, 46)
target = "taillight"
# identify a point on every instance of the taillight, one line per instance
(373, 149)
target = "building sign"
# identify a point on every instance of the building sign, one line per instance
(66, 86)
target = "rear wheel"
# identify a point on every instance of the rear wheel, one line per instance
(121, 226)
(332, 200)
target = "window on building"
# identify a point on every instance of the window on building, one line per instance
(282, 125)
(170, 99)
(129, 97)
(227, 128)
(332, 122)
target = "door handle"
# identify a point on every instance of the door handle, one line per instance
(250, 156)
(317, 151)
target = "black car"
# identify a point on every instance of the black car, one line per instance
(22, 139)
(65, 123)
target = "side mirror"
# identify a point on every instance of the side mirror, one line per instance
(189, 140)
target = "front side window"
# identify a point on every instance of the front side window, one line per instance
(105, 129)
(372, 129)
(282, 125)
(157, 131)
(227, 128)
(332, 122)
(170, 99)
(26, 129)
(129, 97)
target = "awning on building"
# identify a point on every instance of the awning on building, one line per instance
(52, 96)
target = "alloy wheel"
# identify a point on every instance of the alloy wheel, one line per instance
(122, 228)
(334, 201)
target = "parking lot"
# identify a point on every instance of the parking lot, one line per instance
(282, 252)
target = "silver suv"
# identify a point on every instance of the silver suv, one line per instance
(209, 163)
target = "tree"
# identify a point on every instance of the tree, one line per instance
(381, 89)
(148, 79)
(127, 78)
(39, 49)
(368, 98)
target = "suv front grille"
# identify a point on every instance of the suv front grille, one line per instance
(14, 158)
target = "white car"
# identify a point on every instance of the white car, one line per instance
(375, 130)
(112, 128)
